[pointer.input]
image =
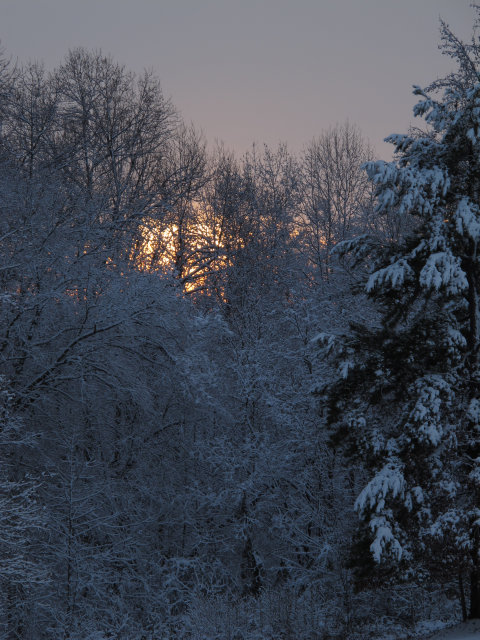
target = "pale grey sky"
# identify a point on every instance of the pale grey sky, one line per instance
(257, 70)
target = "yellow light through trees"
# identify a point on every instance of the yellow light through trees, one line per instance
(192, 249)
(156, 249)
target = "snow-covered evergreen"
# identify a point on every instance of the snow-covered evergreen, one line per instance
(409, 398)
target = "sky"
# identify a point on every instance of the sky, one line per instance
(264, 71)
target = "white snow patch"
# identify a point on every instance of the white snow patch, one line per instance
(469, 630)
(442, 269)
(467, 219)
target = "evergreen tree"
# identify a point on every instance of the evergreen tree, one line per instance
(408, 396)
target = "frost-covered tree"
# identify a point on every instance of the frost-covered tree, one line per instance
(408, 395)
(336, 193)
(22, 577)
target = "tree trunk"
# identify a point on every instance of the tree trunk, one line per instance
(474, 593)
(250, 572)
(475, 573)
(463, 601)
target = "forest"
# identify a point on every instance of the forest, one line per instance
(239, 397)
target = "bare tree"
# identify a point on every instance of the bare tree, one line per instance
(336, 193)
(174, 239)
(29, 118)
(113, 140)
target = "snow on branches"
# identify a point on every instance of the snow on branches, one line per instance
(420, 442)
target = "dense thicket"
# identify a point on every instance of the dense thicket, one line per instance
(166, 466)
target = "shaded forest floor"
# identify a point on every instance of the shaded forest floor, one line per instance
(469, 630)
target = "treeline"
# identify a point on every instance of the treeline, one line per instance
(166, 468)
